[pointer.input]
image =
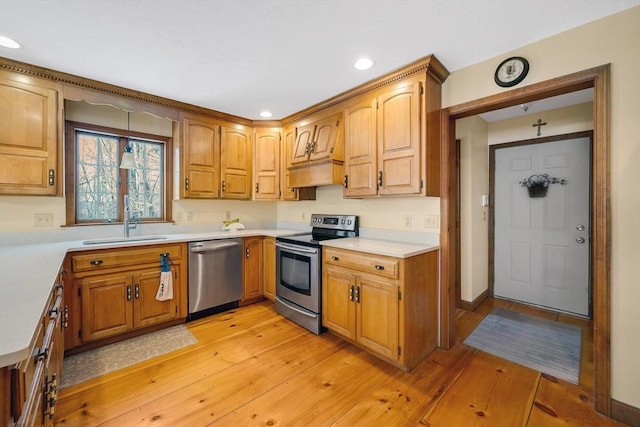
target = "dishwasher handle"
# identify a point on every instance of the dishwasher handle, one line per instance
(211, 246)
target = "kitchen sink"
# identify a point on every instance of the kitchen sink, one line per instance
(122, 240)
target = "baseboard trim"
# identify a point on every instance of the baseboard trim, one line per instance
(473, 305)
(625, 413)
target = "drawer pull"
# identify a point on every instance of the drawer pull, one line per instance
(357, 294)
(351, 293)
(137, 291)
(97, 262)
(128, 292)
(379, 267)
(335, 258)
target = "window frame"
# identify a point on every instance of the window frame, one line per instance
(123, 135)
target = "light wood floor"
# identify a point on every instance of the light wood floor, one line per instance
(253, 367)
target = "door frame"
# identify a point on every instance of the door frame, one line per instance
(492, 197)
(597, 78)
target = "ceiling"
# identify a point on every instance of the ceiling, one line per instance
(244, 56)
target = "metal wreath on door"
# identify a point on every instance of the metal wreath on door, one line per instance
(542, 223)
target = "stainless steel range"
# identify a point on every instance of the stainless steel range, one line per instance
(299, 269)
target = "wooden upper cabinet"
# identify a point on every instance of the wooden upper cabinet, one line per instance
(201, 159)
(267, 164)
(318, 154)
(236, 162)
(325, 139)
(384, 143)
(360, 166)
(399, 140)
(216, 159)
(303, 144)
(30, 124)
(288, 191)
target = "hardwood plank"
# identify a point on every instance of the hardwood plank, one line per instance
(108, 396)
(406, 397)
(319, 395)
(489, 392)
(559, 403)
(211, 398)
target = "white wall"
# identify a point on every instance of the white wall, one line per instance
(387, 213)
(474, 182)
(614, 40)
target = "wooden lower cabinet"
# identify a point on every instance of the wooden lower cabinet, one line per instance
(115, 291)
(113, 304)
(29, 389)
(252, 270)
(386, 305)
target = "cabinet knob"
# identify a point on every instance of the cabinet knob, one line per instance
(128, 292)
(357, 294)
(137, 291)
(346, 181)
(257, 187)
(246, 253)
(379, 179)
(350, 293)
(186, 183)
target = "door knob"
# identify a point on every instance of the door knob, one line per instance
(580, 227)
(580, 240)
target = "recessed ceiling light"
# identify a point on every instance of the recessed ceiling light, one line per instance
(266, 114)
(7, 42)
(363, 64)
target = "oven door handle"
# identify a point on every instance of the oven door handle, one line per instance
(298, 249)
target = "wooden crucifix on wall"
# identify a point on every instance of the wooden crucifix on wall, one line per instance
(539, 124)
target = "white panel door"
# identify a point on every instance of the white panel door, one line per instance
(541, 244)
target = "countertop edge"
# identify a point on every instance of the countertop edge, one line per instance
(381, 247)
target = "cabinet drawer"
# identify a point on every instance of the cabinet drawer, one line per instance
(374, 264)
(101, 260)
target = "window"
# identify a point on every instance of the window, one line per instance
(96, 185)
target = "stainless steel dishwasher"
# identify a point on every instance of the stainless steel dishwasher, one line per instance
(215, 276)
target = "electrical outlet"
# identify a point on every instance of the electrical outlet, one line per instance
(177, 216)
(189, 216)
(303, 215)
(407, 221)
(43, 220)
(431, 221)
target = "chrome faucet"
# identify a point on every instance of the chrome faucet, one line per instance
(127, 220)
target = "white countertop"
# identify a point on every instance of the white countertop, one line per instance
(30, 270)
(380, 247)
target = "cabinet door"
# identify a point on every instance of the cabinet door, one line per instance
(324, 139)
(236, 157)
(147, 310)
(267, 164)
(338, 304)
(399, 140)
(28, 139)
(201, 159)
(269, 267)
(378, 316)
(252, 269)
(302, 147)
(360, 149)
(106, 306)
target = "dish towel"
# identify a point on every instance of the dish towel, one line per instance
(165, 290)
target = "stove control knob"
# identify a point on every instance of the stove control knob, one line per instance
(348, 222)
(342, 221)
